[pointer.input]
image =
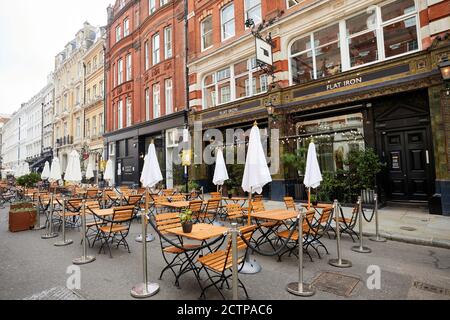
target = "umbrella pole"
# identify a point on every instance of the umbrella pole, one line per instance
(144, 289)
(309, 198)
(250, 265)
(148, 237)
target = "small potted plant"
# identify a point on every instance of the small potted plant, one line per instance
(314, 200)
(186, 220)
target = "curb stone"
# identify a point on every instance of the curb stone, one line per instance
(438, 243)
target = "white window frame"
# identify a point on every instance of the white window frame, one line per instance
(129, 112)
(118, 33)
(252, 68)
(129, 67)
(151, 6)
(147, 55)
(120, 115)
(119, 72)
(203, 34)
(156, 49)
(223, 23)
(344, 39)
(168, 87)
(163, 2)
(126, 27)
(147, 104)
(247, 10)
(290, 6)
(156, 101)
(168, 40)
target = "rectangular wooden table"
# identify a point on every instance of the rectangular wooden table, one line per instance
(319, 206)
(177, 204)
(200, 232)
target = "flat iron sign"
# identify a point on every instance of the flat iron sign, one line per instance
(263, 52)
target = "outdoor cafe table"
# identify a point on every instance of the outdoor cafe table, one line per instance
(200, 232)
(178, 205)
(236, 200)
(279, 216)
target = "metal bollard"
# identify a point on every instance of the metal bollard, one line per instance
(299, 288)
(144, 289)
(84, 259)
(377, 237)
(37, 225)
(234, 235)
(50, 234)
(339, 262)
(64, 242)
(360, 248)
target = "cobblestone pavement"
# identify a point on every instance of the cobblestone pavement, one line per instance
(31, 267)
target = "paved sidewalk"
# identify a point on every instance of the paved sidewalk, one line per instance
(411, 225)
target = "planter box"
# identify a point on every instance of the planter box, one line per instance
(22, 220)
(21, 206)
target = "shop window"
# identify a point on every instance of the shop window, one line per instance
(335, 137)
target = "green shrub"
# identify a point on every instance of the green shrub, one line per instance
(28, 180)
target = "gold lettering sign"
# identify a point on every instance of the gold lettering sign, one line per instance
(345, 83)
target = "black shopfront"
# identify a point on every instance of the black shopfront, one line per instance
(127, 148)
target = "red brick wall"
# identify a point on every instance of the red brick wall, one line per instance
(174, 68)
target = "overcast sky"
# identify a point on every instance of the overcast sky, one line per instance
(31, 34)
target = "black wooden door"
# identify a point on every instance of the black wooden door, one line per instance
(408, 165)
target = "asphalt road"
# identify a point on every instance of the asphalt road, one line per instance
(29, 266)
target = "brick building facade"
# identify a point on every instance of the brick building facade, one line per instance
(145, 72)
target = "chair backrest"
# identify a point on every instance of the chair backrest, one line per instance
(133, 200)
(167, 221)
(257, 206)
(216, 195)
(257, 198)
(289, 202)
(74, 205)
(158, 199)
(92, 204)
(234, 211)
(123, 214)
(325, 216)
(246, 233)
(196, 206)
(92, 193)
(177, 198)
(213, 204)
(168, 192)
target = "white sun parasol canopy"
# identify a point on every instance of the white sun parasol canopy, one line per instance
(90, 170)
(55, 170)
(26, 169)
(256, 173)
(109, 172)
(73, 172)
(220, 172)
(46, 172)
(313, 175)
(151, 173)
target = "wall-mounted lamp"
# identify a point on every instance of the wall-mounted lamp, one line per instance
(444, 67)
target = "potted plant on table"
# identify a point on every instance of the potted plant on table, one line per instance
(186, 220)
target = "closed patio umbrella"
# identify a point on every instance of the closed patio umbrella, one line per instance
(220, 172)
(73, 172)
(55, 170)
(109, 172)
(90, 170)
(256, 176)
(313, 175)
(26, 169)
(151, 173)
(46, 172)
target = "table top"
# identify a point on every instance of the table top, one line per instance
(200, 231)
(319, 206)
(177, 204)
(276, 215)
(102, 212)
